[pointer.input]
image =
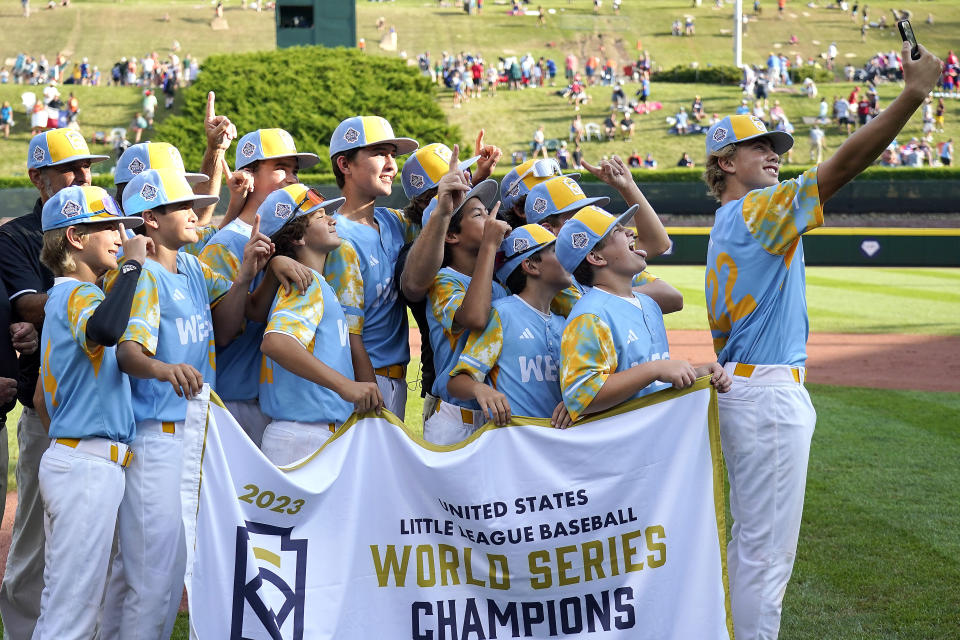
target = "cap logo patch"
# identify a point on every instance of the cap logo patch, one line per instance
(148, 192)
(351, 135)
(39, 154)
(720, 134)
(416, 180)
(579, 240)
(520, 244)
(71, 208)
(283, 210)
(443, 153)
(136, 166)
(248, 149)
(572, 185)
(515, 189)
(76, 140)
(758, 124)
(539, 205)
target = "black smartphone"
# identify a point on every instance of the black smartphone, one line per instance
(906, 33)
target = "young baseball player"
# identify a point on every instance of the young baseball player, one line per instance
(517, 184)
(459, 301)
(238, 364)
(87, 399)
(180, 309)
(756, 304)
(363, 150)
(512, 366)
(307, 385)
(614, 346)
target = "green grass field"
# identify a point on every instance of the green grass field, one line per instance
(511, 117)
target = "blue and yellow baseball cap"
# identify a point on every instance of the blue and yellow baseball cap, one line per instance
(583, 231)
(423, 170)
(734, 129)
(525, 176)
(289, 203)
(58, 146)
(486, 191)
(152, 155)
(519, 245)
(557, 196)
(265, 144)
(158, 187)
(83, 205)
(363, 131)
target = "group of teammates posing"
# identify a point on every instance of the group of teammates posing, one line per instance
(322, 298)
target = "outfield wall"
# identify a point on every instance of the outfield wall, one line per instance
(911, 245)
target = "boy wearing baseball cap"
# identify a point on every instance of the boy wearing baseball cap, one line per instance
(756, 304)
(87, 399)
(512, 366)
(459, 300)
(180, 309)
(614, 344)
(307, 385)
(517, 184)
(363, 151)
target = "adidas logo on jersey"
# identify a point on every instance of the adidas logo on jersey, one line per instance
(631, 336)
(373, 261)
(178, 295)
(527, 334)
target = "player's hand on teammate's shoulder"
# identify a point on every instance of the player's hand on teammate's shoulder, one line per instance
(256, 253)
(719, 378)
(494, 404)
(186, 380)
(561, 417)
(291, 274)
(136, 247)
(679, 373)
(920, 75)
(365, 396)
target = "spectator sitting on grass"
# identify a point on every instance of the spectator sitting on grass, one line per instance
(576, 129)
(609, 126)
(682, 123)
(563, 156)
(744, 108)
(577, 157)
(626, 125)
(685, 160)
(618, 98)
(634, 161)
(649, 162)
(696, 109)
(539, 142)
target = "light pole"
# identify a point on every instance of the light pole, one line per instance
(738, 33)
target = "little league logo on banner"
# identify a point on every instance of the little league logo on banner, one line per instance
(611, 529)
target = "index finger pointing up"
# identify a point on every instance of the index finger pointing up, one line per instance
(455, 159)
(256, 226)
(211, 110)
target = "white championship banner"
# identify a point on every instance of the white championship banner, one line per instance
(611, 529)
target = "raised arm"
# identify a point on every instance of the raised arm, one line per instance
(862, 148)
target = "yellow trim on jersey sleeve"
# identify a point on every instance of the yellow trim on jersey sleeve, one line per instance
(778, 215)
(482, 349)
(342, 272)
(81, 304)
(204, 233)
(562, 303)
(587, 360)
(642, 278)
(217, 285)
(144, 324)
(298, 316)
(221, 260)
(445, 297)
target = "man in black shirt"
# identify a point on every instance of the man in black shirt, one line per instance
(55, 159)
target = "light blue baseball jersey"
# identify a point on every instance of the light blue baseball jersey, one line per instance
(564, 301)
(606, 334)
(238, 364)
(86, 394)
(518, 354)
(317, 321)
(446, 337)
(755, 282)
(361, 271)
(205, 234)
(171, 320)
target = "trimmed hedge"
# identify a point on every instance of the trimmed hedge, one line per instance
(307, 91)
(720, 74)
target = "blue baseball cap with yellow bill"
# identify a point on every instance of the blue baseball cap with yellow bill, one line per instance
(581, 233)
(152, 155)
(423, 170)
(525, 176)
(266, 144)
(365, 131)
(519, 245)
(734, 129)
(83, 205)
(158, 187)
(289, 203)
(58, 146)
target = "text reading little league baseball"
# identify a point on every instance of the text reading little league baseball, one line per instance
(475, 552)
